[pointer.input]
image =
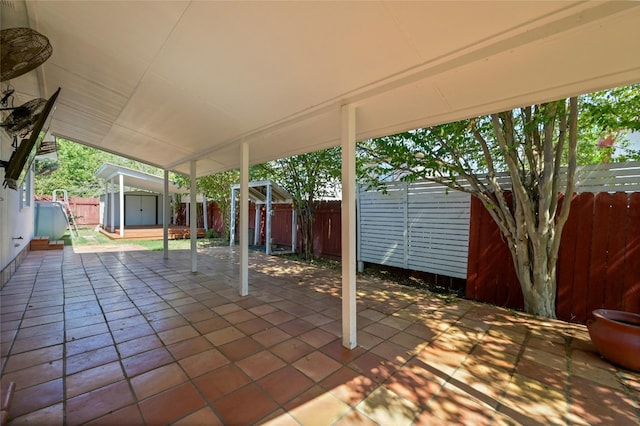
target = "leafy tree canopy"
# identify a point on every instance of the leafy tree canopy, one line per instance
(76, 167)
(605, 121)
(216, 187)
(308, 178)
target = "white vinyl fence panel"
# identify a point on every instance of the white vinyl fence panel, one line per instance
(417, 226)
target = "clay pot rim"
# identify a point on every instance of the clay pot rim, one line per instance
(630, 319)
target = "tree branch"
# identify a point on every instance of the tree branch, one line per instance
(571, 172)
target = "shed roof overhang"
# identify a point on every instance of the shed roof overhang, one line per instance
(136, 179)
(172, 82)
(258, 192)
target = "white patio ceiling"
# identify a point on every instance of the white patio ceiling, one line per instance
(170, 82)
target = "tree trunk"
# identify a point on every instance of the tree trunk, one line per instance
(539, 289)
(534, 260)
(305, 216)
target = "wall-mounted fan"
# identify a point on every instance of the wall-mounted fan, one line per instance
(22, 119)
(22, 50)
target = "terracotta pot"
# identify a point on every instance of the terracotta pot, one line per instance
(616, 335)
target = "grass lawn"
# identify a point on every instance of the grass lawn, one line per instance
(90, 236)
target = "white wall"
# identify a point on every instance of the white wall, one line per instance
(16, 216)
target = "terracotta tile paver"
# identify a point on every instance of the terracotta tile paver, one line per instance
(93, 378)
(146, 361)
(349, 386)
(292, 349)
(34, 357)
(386, 408)
(203, 362)
(325, 409)
(171, 404)
(51, 415)
(175, 335)
(216, 384)
(127, 337)
(97, 403)
(157, 380)
(284, 384)
(244, 406)
(36, 374)
(271, 336)
(225, 335)
(260, 364)
(36, 397)
(204, 416)
(136, 346)
(129, 416)
(317, 365)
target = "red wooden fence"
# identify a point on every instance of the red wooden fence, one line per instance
(326, 227)
(215, 218)
(598, 265)
(85, 210)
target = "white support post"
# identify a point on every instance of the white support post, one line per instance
(294, 230)
(165, 215)
(205, 219)
(256, 226)
(244, 219)
(232, 226)
(349, 330)
(112, 207)
(267, 223)
(174, 210)
(104, 216)
(121, 206)
(193, 233)
(358, 233)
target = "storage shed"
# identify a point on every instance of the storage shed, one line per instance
(139, 207)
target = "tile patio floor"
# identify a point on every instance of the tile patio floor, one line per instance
(127, 338)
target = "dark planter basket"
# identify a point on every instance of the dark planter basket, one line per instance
(616, 335)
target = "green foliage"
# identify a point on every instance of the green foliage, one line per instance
(216, 187)
(308, 178)
(76, 167)
(454, 150)
(608, 114)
